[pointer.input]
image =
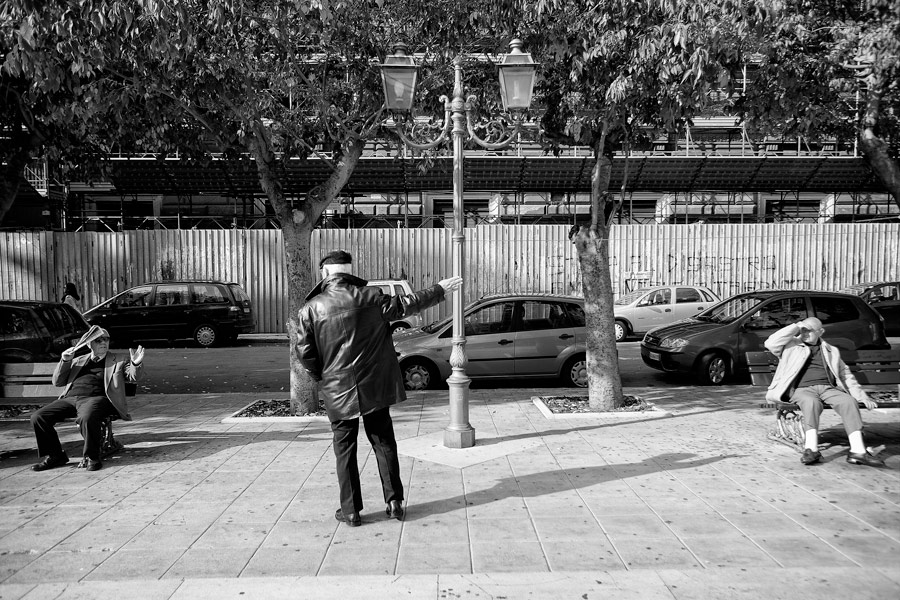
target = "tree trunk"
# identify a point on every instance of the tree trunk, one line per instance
(592, 246)
(885, 168)
(297, 225)
(297, 234)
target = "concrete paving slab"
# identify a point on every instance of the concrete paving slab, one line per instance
(501, 556)
(434, 557)
(431, 447)
(699, 504)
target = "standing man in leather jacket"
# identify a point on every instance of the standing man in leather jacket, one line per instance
(344, 343)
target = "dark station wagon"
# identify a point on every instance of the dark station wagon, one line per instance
(209, 312)
(32, 331)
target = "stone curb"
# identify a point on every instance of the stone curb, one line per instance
(652, 413)
(233, 418)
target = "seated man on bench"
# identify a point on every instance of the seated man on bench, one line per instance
(95, 389)
(810, 371)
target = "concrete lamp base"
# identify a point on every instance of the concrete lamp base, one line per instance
(455, 438)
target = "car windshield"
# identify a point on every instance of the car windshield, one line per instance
(729, 310)
(436, 325)
(629, 297)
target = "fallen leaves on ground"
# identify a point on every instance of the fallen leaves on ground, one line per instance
(275, 408)
(580, 404)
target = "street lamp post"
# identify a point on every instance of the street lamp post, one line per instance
(517, 73)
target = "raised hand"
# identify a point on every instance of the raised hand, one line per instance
(137, 355)
(451, 284)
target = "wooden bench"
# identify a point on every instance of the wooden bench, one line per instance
(31, 383)
(870, 367)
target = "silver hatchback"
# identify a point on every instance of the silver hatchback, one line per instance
(640, 311)
(508, 336)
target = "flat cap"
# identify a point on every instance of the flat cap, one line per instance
(337, 257)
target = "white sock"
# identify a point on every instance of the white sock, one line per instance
(812, 439)
(857, 446)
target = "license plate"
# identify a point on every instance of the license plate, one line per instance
(654, 356)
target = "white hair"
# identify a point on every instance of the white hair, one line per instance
(329, 270)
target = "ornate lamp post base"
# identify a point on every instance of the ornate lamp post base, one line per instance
(459, 433)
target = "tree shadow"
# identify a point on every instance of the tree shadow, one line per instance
(165, 446)
(533, 485)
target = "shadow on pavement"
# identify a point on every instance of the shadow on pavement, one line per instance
(534, 485)
(142, 447)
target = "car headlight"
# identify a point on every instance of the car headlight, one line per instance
(674, 343)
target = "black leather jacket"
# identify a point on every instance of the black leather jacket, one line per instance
(344, 342)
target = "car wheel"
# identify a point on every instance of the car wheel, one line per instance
(712, 369)
(419, 375)
(621, 330)
(206, 335)
(399, 327)
(574, 373)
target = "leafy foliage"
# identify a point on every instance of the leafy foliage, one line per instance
(631, 65)
(830, 70)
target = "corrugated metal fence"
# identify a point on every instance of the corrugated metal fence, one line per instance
(727, 258)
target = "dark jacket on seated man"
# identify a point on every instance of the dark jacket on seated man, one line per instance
(94, 389)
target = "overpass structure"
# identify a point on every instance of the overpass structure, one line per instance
(707, 173)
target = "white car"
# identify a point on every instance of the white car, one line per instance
(640, 311)
(398, 287)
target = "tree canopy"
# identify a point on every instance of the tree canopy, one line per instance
(829, 70)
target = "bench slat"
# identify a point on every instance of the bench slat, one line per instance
(791, 405)
(877, 377)
(24, 379)
(865, 356)
(870, 367)
(33, 380)
(19, 369)
(761, 379)
(30, 391)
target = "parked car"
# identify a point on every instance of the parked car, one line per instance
(640, 311)
(713, 344)
(507, 336)
(209, 312)
(884, 297)
(398, 287)
(32, 331)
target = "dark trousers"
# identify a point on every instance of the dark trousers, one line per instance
(89, 413)
(380, 431)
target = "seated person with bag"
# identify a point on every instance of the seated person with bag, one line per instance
(95, 389)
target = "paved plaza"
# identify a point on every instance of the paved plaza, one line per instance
(691, 501)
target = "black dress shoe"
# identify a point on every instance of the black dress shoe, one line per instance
(51, 462)
(864, 458)
(352, 519)
(93, 465)
(810, 457)
(394, 510)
